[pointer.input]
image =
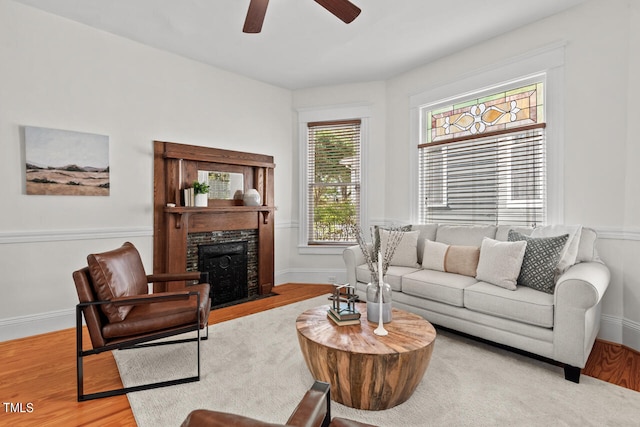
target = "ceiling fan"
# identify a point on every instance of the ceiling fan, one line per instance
(343, 9)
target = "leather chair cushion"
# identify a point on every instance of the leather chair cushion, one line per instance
(117, 273)
(157, 316)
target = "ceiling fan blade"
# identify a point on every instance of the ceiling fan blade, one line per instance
(343, 9)
(255, 16)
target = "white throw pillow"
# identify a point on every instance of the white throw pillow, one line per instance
(434, 254)
(500, 262)
(587, 248)
(569, 253)
(406, 253)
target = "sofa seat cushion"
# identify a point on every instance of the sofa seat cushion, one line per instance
(437, 285)
(524, 305)
(393, 277)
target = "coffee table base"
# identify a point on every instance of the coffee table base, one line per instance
(365, 381)
(366, 371)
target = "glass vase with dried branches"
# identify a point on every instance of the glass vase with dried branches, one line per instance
(378, 265)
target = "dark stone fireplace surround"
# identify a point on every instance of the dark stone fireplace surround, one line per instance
(207, 238)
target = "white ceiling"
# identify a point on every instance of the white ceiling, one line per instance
(301, 44)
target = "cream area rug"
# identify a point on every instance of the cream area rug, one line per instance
(253, 366)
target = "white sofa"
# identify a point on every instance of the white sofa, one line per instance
(561, 326)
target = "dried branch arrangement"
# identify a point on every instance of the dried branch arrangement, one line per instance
(395, 236)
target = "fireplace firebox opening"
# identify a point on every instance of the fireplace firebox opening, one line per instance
(226, 264)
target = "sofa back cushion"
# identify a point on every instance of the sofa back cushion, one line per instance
(502, 233)
(117, 273)
(465, 235)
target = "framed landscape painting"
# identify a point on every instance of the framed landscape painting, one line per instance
(62, 162)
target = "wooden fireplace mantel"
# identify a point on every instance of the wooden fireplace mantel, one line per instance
(175, 168)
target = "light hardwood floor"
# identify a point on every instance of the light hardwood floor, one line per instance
(40, 371)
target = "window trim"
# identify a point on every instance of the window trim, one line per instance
(321, 114)
(548, 60)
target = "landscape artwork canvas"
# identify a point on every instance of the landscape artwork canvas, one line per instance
(62, 162)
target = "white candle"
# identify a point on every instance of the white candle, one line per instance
(380, 269)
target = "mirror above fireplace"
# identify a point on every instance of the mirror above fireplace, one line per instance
(223, 185)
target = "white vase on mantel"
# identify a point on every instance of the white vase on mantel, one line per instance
(251, 197)
(202, 200)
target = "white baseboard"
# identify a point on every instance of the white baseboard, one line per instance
(631, 334)
(618, 330)
(36, 324)
(321, 275)
(610, 328)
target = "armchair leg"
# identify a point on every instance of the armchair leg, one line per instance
(80, 354)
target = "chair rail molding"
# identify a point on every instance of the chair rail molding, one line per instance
(38, 236)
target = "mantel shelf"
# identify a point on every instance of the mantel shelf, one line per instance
(185, 210)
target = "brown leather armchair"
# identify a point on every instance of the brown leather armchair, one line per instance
(120, 313)
(314, 410)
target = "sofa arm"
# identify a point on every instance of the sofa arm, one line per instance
(582, 285)
(578, 295)
(353, 257)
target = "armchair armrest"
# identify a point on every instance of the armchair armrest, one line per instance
(151, 298)
(314, 410)
(175, 277)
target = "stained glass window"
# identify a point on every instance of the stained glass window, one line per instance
(499, 111)
(482, 159)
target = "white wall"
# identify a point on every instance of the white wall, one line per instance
(318, 268)
(601, 148)
(600, 142)
(60, 74)
(631, 278)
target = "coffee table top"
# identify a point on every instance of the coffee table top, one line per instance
(407, 332)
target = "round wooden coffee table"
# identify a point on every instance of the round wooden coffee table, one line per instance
(366, 371)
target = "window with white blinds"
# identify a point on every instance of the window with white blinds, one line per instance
(484, 161)
(333, 178)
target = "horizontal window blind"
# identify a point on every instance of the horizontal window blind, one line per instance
(499, 178)
(333, 177)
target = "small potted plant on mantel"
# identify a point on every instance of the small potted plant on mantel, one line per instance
(201, 190)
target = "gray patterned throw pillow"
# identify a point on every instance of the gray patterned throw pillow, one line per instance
(540, 260)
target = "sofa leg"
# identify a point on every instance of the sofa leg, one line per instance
(571, 373)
